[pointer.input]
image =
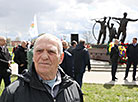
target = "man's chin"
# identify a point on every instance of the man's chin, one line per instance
(43, 69)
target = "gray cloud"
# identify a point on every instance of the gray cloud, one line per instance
(85, 1)
(17, 15)
(59, 16)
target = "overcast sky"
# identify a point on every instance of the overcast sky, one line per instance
(62, 16)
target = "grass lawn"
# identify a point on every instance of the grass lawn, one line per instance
(105, 93)
(109, 93)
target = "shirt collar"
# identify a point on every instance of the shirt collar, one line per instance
(135, 44)
(54, 82)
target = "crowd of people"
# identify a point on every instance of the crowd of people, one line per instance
(55, 69)
(50, 69)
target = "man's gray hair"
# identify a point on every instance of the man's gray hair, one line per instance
(2, 38)
(51, 37)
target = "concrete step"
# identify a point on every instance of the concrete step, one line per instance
(107, 68)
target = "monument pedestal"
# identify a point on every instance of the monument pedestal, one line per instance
(99, 52)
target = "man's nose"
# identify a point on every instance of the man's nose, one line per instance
(45, 55)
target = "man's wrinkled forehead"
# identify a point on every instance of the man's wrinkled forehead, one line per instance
(49, 46)
(49, 38)
(49, 43)
(45, 40)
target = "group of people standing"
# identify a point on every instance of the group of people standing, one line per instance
(55, 73)
(76, 58)
(45, 80)
(20, 57)
(132, 54)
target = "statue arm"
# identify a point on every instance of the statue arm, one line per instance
(98, 21)
(132, 19)
(116, 18)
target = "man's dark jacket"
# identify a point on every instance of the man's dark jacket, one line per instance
(132, 52)
(4, 58)
(21, 57)
(81, 59)
(30, 89)
(114, 55)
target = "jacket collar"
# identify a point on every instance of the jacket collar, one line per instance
(37, 84)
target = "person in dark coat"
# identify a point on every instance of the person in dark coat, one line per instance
(45, 81)
(81, 60)
(21, 57)
(14, 48)
(132, 54)
(5, 59)
(114, 56)
(67, 63)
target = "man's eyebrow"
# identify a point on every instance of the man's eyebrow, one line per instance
(38, 48)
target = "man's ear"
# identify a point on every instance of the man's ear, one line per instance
(61, 58)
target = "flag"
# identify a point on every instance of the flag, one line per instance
(33, 31)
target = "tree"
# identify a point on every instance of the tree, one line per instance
(87, 36)
(17, 39)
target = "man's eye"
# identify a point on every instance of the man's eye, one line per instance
(51, 52)
(39, 51)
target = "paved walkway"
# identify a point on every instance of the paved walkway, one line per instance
(98, 77)
(105, 78)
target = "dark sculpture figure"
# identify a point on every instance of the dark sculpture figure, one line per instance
(102, 30)
(123, 24)
(112, 30)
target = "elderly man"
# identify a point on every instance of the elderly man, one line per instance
(45, 81)
(4, 62)
(114, 56)
(21, 57)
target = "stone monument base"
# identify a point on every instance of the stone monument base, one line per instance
(99, 52)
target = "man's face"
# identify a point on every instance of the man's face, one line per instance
(74, 45)
(64, 45)
(116, 42)
(23, 44)
(2, 42)
(46, 57)
(134, 41)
